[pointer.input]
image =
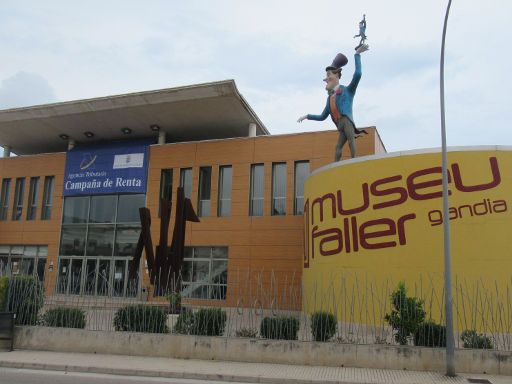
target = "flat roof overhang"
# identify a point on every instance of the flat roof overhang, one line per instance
(197, 112)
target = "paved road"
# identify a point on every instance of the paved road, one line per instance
(29, 376)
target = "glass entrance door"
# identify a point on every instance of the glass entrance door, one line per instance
(91, 271)
(75, 282)
(119, 277)
(103, 278)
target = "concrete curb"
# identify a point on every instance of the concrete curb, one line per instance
(210, 370)
(165, 374)
(259, 351)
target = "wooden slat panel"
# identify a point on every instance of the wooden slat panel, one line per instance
(269, 243)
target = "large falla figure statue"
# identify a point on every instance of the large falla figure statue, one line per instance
(339, 101)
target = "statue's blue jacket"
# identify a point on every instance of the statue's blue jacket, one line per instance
(345, 97)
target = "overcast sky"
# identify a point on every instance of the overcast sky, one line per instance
(276, 51)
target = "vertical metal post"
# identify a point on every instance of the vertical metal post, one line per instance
(450, 342)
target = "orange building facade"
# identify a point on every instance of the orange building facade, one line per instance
(246, 186)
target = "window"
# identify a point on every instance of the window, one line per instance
(205, 191)
(23, 260)
(76, 210)
(4, 198)
(102, 209)
(256, 190)
(33, 193)
(186, 181)
(205, 273)
(99, 236)
(301, 173)
(128, 208)
(278, 189)
(17, 209)
(225, 182)
(165, 188)
(46, 209)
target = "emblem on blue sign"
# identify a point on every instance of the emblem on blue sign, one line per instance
(87, 161)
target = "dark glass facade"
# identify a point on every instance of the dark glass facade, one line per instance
(98, 238)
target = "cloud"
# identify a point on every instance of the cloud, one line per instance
(25, 89)
(276, 52)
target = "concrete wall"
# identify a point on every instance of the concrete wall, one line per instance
(259, 350)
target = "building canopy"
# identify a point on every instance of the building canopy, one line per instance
(198, 112)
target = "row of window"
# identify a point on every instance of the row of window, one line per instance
(204, 192)
(205, 186)
(101, 225)
(204, 275)
(96, 277)
(33, 198)
(256, 190)
(98, 238)
(278, 202)
(23, 260)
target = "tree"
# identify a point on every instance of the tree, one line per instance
(406, 316)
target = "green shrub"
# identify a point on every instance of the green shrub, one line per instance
(204, 322)
(209, 322)
(323, 325)
(280, 327)
(174, 299)
(25, 298)
(4, 289)
(64, 317)
(141, 318)
(406, 316)
(430, 334)
(471, 339)
(247, 332)
(185, 322)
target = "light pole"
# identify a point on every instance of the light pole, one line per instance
(450, 342)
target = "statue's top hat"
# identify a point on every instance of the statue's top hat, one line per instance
(339, 61)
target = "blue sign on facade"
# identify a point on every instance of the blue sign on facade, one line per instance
(107, 168)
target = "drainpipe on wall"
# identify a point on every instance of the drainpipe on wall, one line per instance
(71, 144)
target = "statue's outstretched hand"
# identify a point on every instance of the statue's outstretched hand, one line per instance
(302, 118)
(362, 48)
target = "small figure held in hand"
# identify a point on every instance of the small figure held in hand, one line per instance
(362, 32)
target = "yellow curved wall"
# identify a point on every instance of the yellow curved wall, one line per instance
(372, 223)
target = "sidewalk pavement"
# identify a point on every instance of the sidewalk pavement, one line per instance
(225, 370)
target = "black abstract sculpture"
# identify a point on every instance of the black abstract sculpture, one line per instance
(164, 269)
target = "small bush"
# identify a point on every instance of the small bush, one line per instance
(209, 322)
(247, 332)
(323, 325)
(280, 327)
(141, 318)
(25, 298)
(471, 339)
(430, 334)
(174, 299)
(185, 322)
(64, 317)
(204, 322)
(406, 316)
